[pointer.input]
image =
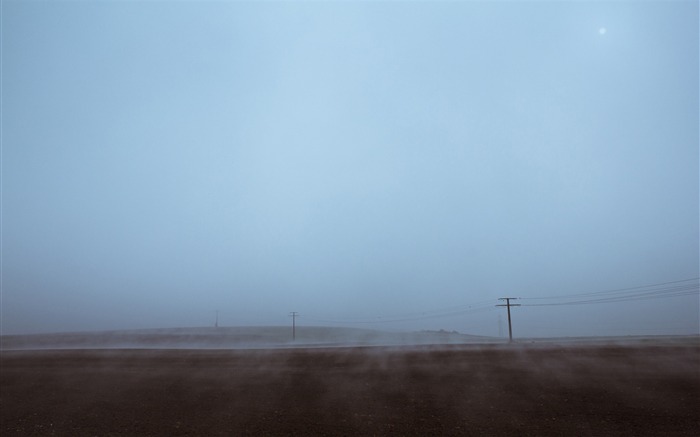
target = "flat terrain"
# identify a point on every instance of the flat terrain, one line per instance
(234, 337)
(490, 390)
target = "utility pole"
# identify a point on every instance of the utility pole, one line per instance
(508, 305)
(216, 323)
(294, 316)
(500, 327)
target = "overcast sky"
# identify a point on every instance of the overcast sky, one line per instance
(360, 163)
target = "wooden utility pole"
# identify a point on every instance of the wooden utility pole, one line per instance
(294, 316)
(508, 305)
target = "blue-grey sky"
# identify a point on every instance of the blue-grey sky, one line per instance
(354, 162)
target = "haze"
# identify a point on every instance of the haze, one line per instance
(391, 165)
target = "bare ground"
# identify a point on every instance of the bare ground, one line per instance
(584, 390)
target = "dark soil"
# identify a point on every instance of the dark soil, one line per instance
(458, 390)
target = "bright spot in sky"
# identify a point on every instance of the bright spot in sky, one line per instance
(602, 30)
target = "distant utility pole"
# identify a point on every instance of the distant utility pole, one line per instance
(216, 323)
(294, 316)
(508, 305)
(500, 327)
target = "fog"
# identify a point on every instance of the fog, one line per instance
(381, 165)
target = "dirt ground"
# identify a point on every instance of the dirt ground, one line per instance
(450, 390)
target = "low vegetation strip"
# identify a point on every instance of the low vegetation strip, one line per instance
(233, 337)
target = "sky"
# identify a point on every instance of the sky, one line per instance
(388, 165)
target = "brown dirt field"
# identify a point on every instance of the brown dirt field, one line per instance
(454, 390)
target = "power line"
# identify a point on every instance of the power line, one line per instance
(612, 300)
(661, 290)
(618, 290)
(455, 311)
(685, 287)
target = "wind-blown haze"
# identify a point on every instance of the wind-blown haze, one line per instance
(391, 165)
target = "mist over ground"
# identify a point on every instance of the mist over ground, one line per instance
(381, 165)
(642, 390)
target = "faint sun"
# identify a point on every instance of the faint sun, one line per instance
(602, 30)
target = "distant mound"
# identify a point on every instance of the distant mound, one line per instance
(234, 337)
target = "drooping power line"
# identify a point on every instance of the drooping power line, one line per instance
(685, 287)
(407, 317)
(662, 290)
